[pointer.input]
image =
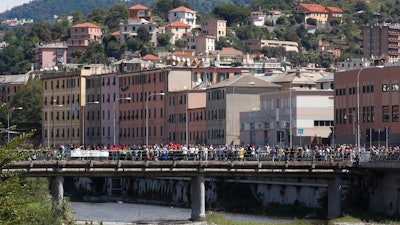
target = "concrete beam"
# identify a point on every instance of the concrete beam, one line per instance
(198, 197)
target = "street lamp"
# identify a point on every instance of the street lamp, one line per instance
(147, 115)
(358, 104)
(186, 118)
(83, 122)
(115, 101)
(8, 122)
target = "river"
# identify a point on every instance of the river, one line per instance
(127, 213)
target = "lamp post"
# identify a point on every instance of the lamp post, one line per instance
(115, 101)
(358, 104)
(83, 122)
(186, 118)
(8, 122)
(290, 118)
(147, 115)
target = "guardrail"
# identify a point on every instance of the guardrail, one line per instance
(162, 155)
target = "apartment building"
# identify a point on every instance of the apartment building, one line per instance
(177, 30)
(214, 27)
(226, 100)
(49, 56)
(81, 35)
(368, 98)
(381, 41)
(257, 45)
(200, 43)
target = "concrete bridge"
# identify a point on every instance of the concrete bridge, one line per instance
(332, 171)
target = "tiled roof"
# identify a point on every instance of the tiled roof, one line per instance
(116, 33)
(177, 24)
(138, 7)
(150, 57)
(84, 25)
(334, 9)
(182, 9)
(245, 81)
(315, 8)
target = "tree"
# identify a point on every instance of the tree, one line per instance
(163, 40)
(143, 34)
(162, 7)
(97, 16)
(233, 14)
(95, 53)
(181, 43)
(77, 17)
(116, 13)
(30, 98)
(26, 201)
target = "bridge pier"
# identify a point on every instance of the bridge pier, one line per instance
(57, 189)
(334, 198)
(198, 197)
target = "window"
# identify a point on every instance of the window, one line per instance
(385, 87)
(395, 113)
(395, 87)
(385, 113)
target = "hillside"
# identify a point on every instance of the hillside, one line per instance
(44, 10)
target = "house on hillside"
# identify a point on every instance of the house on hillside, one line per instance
(139, 16)
(184, 15)
(177, 30)
(81, 35)
(214, 27)
(318, 12)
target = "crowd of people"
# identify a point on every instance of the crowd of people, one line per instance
(174, 151)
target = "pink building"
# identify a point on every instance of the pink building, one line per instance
(177, 29)
(51, 55)
(81, 35)
(186, 119)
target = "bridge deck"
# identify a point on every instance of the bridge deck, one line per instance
(121, 168)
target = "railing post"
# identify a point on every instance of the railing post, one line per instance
(198, 198)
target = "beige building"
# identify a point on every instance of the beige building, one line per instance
(214, 27)
(257, 45)
(176, 30)
(200, 43)
(318, 12)
(226, 100)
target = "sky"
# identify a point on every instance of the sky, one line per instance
(8, 4)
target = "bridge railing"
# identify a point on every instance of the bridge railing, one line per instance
(145, 155)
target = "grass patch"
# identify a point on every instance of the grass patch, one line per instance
(291, 211)
(218, 219)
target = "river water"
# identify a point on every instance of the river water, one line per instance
(127, 213)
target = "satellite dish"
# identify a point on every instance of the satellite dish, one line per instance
(174, 57)
(199, 80)
(187, 60)
(178, 59)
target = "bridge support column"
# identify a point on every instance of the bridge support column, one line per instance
(57, 190)
(334, 198)
(198, 197)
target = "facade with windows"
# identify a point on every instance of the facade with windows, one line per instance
(301, 115)
(81, 35)
(214, 27)
(378, 108)
(184, 15)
